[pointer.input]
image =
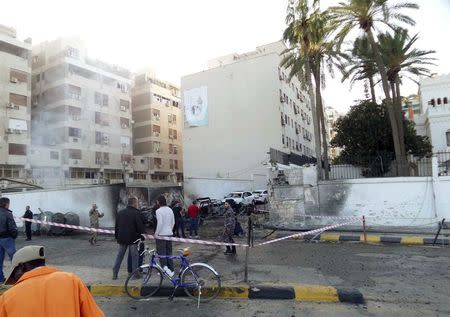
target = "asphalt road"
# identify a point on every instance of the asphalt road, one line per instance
(413, 278)
(258, 308)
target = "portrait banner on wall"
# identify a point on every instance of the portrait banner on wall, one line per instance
(196, 106)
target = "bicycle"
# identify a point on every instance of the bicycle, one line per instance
(147, 279)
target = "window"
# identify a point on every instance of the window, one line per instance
(72, 52)
(157, 161)
(447, 135)
(17, 76)
(171, 164)
(98, 98)
(282, 138)
(106, 158)
(74, 154)
(156, 130)
(105, 101)
(157, 147)
(172, 134)
(125, 141)
(98, 137)
(18, 100)
(75, 113)
(156, 114)
(54, 155)
(170, 148)
(75, 132)
(74, 92)
(445, 100)
(17, 149)
(176, 164)
(124, 105)
(124, 123)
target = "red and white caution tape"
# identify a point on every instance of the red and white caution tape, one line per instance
(147, 236)
(331, 217)
(315, 231)
(194, 241)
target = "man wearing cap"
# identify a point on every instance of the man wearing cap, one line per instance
(41, 290)
(8, 233)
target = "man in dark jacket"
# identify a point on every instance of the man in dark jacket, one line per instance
(129, 227)
(8, 234)
(28, 215)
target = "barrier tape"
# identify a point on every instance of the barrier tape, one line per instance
(147, 236)
(193, 241)
(315, 231)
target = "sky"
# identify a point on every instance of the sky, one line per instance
(178, 37)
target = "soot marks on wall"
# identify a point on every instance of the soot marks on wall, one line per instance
(333, 199)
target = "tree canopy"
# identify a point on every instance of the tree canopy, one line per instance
(364, 133)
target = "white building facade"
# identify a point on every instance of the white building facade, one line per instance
(241, 114)
(81, 116)
(15, 93)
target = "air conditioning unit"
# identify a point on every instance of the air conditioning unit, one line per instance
(156, 118)
(102, 181)
(75, 140)
(14, 80)
(281, 99)
(155, 133)
(10, 105)
(95, 181)
(9, 131)
(35, 103)
(75, 162)
(123, 108)
(124, 126)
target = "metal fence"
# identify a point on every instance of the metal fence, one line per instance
(381, 166)
(443, 159)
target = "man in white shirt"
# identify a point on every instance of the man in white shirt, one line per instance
(164, 228)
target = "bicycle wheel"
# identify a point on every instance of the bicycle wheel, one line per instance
(201, 277)
(144, 282)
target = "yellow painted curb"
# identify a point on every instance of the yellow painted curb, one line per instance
(314, 293)
(329, 237)
(108, 290)
(234, 292)
(411, 240)
(370, 238)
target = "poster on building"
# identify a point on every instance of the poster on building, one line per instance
(196, 106)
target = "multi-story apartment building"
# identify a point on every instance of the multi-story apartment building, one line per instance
(157, 129)
(331, 116)
(242, 113)
(15, 93)
(81, 115)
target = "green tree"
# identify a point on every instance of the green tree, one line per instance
(402, 59)
(360, 65)
(367, 15)
(310, 35)
(363, 135)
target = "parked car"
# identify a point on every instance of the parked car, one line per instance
(261, 196)
(243, 198)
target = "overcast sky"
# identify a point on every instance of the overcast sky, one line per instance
(177, 37)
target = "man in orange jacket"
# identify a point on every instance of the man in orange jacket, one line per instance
(41, 290)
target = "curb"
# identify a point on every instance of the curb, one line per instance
(303, 293)
(407, 240)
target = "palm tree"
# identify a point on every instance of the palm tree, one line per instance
(366, 15)
(402, 60)
(297, 58)
(314, 48)
(360, 65)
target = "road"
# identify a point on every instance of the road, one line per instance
(414, 278)
(258, 308)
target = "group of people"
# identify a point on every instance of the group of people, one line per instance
(45, 290)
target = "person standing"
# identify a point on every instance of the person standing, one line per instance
(129, 227)
(28, 215)
(41, 290)
(164, 227)
(193, 213)
(94, 214)
(230, 224)
(8, 234)
(179, 223)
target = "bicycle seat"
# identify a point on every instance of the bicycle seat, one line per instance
(185, 251)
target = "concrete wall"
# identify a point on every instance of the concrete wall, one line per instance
(406, 203)
(77, 200)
